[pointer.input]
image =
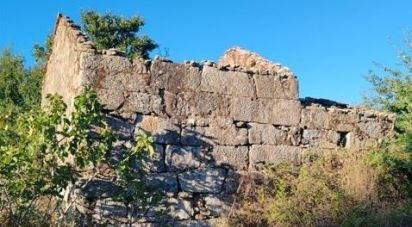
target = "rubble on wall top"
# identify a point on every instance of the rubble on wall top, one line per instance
(240, 59)
(234, 59)
(114, 52)
(308, 101)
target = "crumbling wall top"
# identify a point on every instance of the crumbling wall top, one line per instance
(240, 58)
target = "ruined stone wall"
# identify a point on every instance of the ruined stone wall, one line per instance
(211, 123)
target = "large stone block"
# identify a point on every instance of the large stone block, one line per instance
(209, 180)
(98, 189)
(277, 87)
(175, 105)
(214, 134)
(153, 163)
(180, 158)
(372, 129)
(281, 112)
(156, 162)
(109, 210)
(138, 103)
(162, 129)
(232, 181)
(272, 111)
(195, 136)
(166, 182)
(321, 138)
(142, 103)
(319, 117)
(218, 205)
(233, 157)
(179, 209)
(343, 120)
(207, 104)
(271, 135)
(260, 155)
(358, 141)
(315, 118)
(111, 99)
(173, 77)
(227, 82)
(114, 73)
(121, 128)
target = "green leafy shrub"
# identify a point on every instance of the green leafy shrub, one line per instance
(42, 151)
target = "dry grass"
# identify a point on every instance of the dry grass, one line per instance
(334, 189)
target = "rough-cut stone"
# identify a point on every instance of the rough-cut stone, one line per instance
(163, 181)
(276, 87)
(111, 99)
(272, 111)
(360, 142)
(230, 156)
(315, 118)
(107, 209)
(232, 182)
(179, 209)
(175, 105)
(319, 117)
(137, 103)
(371, 129)
(269, 134)
(229, 135)
(162, 129)
(207, 104)
(156, 162)
(97, 189)
(343, 120)
(194, 136)
(183, 157)
(267, 154)
(218, 205)
(175, 78)
(321, 138)
(209, 180)
(226, 83)
(214, 134)
(120, 127)
(282, 112)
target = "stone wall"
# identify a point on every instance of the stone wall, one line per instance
(212, 122)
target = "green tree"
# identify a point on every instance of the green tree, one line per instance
(12, 75)
(41, 53)
(19, 87)
(110, 31)
(393, 93)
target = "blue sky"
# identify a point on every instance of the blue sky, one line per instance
(330, 45)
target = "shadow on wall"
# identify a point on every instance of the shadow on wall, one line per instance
(188, 171)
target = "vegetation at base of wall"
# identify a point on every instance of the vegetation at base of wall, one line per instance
(43, 151)
(343, 188)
